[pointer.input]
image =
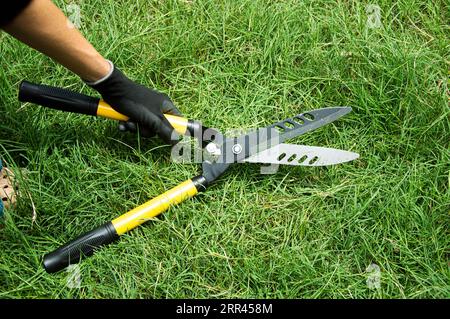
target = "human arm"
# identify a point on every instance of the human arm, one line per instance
(43, 26)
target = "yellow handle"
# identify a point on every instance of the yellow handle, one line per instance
(105, 110)
(154, 207)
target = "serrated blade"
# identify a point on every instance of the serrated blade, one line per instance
(308, 121)
(237, 149)
(292, 154)
(270, 136)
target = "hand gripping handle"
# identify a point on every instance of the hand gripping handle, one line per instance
(69, 101)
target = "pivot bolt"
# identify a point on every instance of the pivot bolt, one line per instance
(237, 149)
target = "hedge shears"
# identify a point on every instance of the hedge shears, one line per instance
(263, 145)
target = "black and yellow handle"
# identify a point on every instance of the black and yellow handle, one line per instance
(69, 101)
(86, 244)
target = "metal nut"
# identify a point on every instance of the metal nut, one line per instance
(237, 149)
(213, 149)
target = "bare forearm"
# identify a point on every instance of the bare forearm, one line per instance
(44, 27)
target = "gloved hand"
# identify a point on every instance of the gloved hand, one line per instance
(141, 104)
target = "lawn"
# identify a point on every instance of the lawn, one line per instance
(300, 233)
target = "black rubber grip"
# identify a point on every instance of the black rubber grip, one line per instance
(57, 98)
(84, 245)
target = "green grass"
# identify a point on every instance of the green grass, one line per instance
(301, 233)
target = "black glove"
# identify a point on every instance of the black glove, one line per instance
(141, 104)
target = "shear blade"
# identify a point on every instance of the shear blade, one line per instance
(291, 154)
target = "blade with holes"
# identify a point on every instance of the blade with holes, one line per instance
(267, 137)
(308, 121)
(237, 149)
(291, 154)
